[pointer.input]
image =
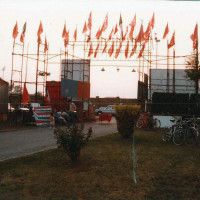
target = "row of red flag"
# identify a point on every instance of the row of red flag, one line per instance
(141, 37)
(22, 37)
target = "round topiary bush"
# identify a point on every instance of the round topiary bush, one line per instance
(126, 116)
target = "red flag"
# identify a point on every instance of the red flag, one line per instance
(110, 36)
(141, 51)
(15, 31)
(131, 34)
(96, 51)
(91, 50)
(120, 22)
(98, 34)
(152, 21)
(66, 39)
(120, 25)
(75, 35)
(111, 49)
(47, 97)
(140, 36)
(166, 31)
(23, 33)
(146, 34)
(124, 37)
(172, 41)
(84, 28)
(133, 50)
(116, 29)
(22, 38)
(194, 37)
(64, 34)
(118, 50)
(88, 39)
(195, 34)
(133, 23)
(45, 45)
(39, 41)
(40, 30)
(195, 44)
(104, 50)
(126, 50)
(26, 97)
(90, 21)
(105, 24)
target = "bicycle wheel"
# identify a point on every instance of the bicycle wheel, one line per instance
(191, 136)
(178, 137)
(166, 134)
(140, 123)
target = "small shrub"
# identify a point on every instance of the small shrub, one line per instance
(72, 139)
(126, 116)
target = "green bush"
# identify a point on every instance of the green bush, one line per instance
(72, 139)
(126, 116)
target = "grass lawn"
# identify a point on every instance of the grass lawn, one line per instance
(164, 171)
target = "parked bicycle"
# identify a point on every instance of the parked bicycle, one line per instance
(146, 120)
(182, 132)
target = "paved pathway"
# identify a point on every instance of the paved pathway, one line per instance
(23, 142)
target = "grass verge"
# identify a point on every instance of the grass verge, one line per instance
(164, 171)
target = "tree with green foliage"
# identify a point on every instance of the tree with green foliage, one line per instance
(193, 70)
(193, 73)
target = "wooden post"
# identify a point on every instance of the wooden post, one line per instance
(12, 64)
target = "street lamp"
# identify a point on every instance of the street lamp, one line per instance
(133, 70)
(103, 70)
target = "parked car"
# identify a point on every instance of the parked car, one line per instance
(105, 110)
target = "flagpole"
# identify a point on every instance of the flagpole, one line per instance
(139, 60)
(21, 73)
(84, 63)
(196, 79)
(61, 66)
(174, 70)
(148, 62)
(45, 74)
(151, 46)
(12, 64)
(197, 60)
(65, 62)
(73, 61)
(167, 67)
(36, 89)
(143, 66)
(47, 62)
(26, 64)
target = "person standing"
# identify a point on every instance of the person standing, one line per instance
(52, 121)
(72, 114)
